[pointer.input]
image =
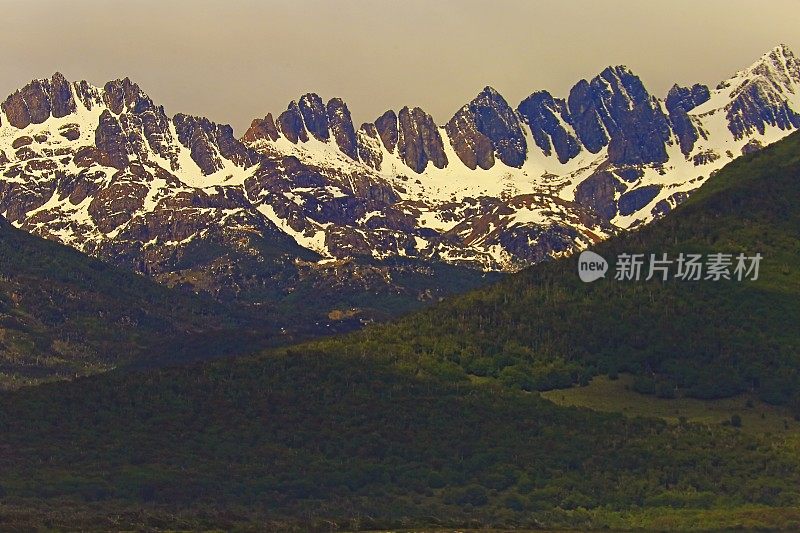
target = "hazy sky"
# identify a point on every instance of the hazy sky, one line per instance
(236, 60)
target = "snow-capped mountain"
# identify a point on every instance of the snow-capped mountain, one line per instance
(502, 188)
(107, 171)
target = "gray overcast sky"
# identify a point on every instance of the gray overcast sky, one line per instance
(236, 60)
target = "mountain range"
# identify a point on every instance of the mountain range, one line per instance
(305, 198)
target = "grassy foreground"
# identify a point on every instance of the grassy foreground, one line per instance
(618, 396)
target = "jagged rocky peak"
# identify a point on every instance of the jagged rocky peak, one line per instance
(125, 95)
(583, 108)
(686, 98)
(412, 133)
(419, 140)
(129, 120)
(290, 124)
(126, 99)
(486, 127)
(779, 65)
(472, 147)
(761, 93)
(386, 125)
(209, 142)
(262, 129)
(679, 101)
(369, 145)
(497, 121)
(310, 115)
(38, 101)
(315, 116)
(550, 124)
(615, 110)
(341, 126)
(89, 95)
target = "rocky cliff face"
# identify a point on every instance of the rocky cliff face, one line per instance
(761, 95)
(181, 198)
(485, 127)
(615, 110)
(419, 140)
(551, 125)
(680, 101)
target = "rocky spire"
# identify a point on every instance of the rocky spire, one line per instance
(485, 127)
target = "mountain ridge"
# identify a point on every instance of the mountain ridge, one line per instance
(497, 187)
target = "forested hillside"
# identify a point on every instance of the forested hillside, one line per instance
(63, 314)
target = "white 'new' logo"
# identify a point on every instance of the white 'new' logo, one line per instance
(591, 266)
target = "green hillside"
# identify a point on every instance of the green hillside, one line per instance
(431, 422)
(63, 314)
(311, 441)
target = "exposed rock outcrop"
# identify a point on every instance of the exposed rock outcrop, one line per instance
(315, 116)
(386, 125)
(485, 127)
(681, 100)
(38, 101)
(262, 128)
(210, 142)
(616, 110)
(369, 146)
(290, 124)
(341, 126)
(419, 140)
(549, 121)
(598, 192)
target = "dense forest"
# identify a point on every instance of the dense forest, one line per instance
(314, 440)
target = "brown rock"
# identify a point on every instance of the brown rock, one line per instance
(290, 123)
(87, 94)
(62, 100)
(30, 105)
(262, 129)
(116, 205)
(121, 94)
(369, 148)
(315, 116)
(25, 153)
(111, 142)
(471, 146)
(87, 156)
(341, 125)
(598, 192)
(19, 142)
(419, 140)
(205, 139)
(70, 132)
(487, 123)
(193, 133)
(387, 129)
